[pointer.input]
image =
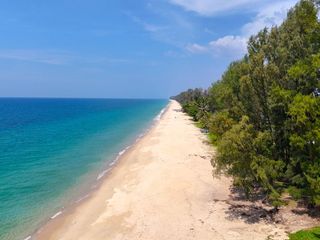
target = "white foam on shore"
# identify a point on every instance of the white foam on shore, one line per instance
(102, 174)
(140, 136)
(81, 199)
(121, 152)
(113, 162)
(56, 215)
(158, 117)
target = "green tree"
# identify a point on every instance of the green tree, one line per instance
(264, 112)
(305, 145)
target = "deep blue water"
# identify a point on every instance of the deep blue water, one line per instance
(51, 147)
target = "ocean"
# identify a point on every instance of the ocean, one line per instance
(54, 150)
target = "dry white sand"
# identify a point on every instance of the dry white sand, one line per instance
(162, 188)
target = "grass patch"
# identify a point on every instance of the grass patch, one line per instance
(199, 124)
(212, 138)
(308, 234)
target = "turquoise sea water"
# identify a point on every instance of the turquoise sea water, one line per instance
(51, 147)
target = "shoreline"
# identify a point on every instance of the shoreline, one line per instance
(161, 188)
(94, 186)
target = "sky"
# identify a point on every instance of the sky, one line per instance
(124, 48)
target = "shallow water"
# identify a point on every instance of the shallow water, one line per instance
(52, 149)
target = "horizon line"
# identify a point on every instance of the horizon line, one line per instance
(115, 98)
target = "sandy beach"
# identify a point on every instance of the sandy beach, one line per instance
(162, 188)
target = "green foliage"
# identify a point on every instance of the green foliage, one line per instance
(305, 143)
(262, 113)
(310, 234)
(246, 155)
(195, 103)
(189, 96)
(295, 192)
(236, 153)
(199, 124)
(191, 109)
(220, 122)
(304, 74)
(213, 138)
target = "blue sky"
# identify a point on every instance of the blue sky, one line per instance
(124, 48)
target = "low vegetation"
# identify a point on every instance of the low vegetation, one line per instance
(310, 234)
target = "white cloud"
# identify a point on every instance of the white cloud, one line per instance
(236, 45)
(231, 44)
(196, 48)
(212, 7)
(173, 29)
(227, 45)
(268, 16)
(147, 26)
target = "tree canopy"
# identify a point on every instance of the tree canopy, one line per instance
(265, 110)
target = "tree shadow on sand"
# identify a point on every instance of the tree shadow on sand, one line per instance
(252, 214)
(250, 210)
(303, 209)
(256, 209)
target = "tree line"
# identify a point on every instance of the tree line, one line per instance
(264, 113)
